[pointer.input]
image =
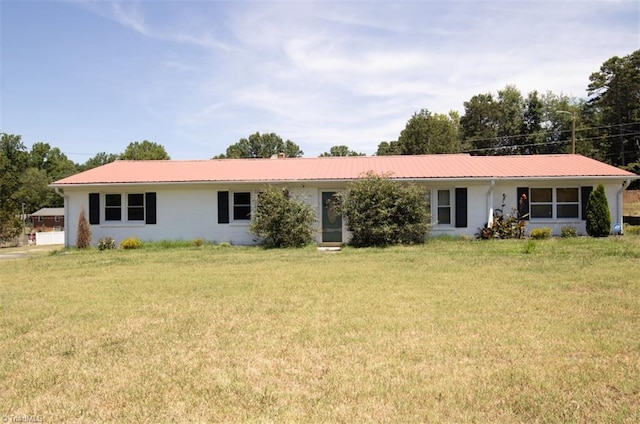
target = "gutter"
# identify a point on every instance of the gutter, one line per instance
(66, 215)
(619, 205)
(490, 203)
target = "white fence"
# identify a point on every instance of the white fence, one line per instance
(49, 237)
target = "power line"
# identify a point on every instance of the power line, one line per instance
(547, 143)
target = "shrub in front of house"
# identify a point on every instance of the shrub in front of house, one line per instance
(382, 212)
(281, 220)
(83, 239)
(197, 242)
(540, 233)
(130, 243)
(632, 229)
(568, 232)
(598, 214)
(106, 243)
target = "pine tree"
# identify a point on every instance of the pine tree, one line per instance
(598, 215)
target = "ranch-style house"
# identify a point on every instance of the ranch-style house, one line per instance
(213, 199)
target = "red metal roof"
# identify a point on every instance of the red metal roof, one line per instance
(345, 168)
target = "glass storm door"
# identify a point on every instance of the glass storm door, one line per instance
(331, 221)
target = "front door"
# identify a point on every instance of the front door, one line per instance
(331, 220)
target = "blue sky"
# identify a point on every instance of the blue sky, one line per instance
(196, 76)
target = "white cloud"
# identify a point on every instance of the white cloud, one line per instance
(326, 73)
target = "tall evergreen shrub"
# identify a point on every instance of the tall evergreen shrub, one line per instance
(83, 240)
(598, 215)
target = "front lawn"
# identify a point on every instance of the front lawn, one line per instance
(452, 331)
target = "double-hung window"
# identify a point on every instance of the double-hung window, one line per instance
(567, 202)
(241, 206)
(553, 203)
(132, 203)
(113, 207)
(444, 207)
(135, 207)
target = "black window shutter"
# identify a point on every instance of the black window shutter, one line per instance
(94, 208)
(584, 200)
(523, 208)
(223, 207)
(461, 207)
(150, 208)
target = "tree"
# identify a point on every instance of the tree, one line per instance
(479, 124)
(510, 120)
(99, 159)
(52, 165)
(341, 151)
(13, 162)
(387, 148)
(146, 150)
(381, 212)
(427, 133)
(281, 220)
(261, 146)
(615, 94)
(598, 214)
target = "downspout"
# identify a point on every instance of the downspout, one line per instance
(619, 203)
(66, 216)
(490, 203)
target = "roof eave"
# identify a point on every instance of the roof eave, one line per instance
(345, 180)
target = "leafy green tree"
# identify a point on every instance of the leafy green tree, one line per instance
(614, 93)
(145, 150)
(281, 220)
(479, 124)
(341, 151)
(14, 160)
(387, 148)
(261, 146)
(510, 120)
(53, 165)
(34, 191)
(598, 214)
(427, 133)
(382, 212)
(99, 159)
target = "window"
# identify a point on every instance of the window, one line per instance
(135, 207)
(40, 219)
(113, 207)
(242, 206)
(568, 203)
(138, 207)
(541, 203)
(56, 219)
(444, 207)
(555, 203)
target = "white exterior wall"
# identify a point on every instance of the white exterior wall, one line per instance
(509, 188)
(182, 212)
(186, 212)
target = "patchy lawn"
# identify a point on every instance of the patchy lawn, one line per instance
(453, 331)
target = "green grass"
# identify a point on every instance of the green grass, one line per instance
(453, 331)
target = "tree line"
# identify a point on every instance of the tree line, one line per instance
(605, 126)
